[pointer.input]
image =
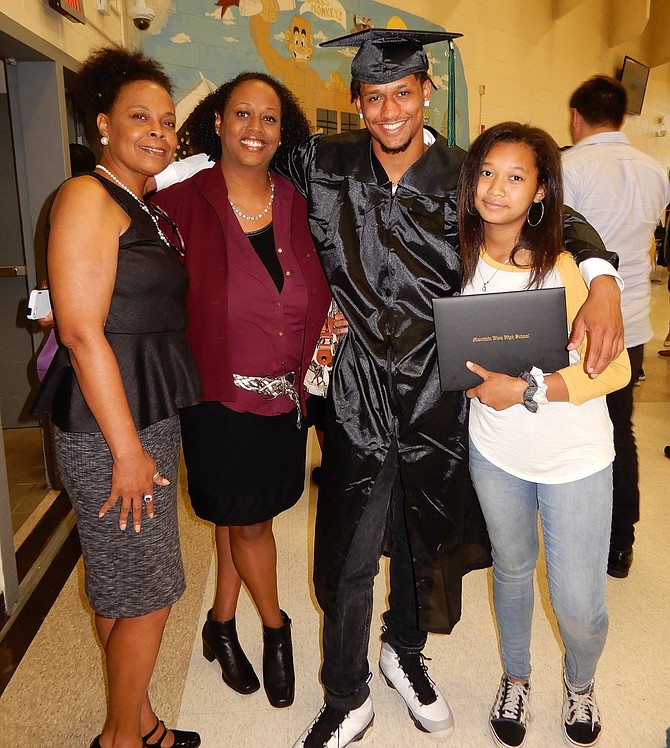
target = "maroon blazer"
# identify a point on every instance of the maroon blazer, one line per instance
(199, 207)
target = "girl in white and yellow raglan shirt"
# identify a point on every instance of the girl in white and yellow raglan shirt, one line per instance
(540, 442)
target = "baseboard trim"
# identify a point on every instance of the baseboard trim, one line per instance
(32, 547)
(23, 629)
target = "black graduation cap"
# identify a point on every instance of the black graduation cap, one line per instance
(386, 55)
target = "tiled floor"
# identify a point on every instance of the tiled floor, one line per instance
(56, 697)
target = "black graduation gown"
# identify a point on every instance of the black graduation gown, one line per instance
(386, 256)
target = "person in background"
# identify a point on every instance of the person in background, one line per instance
(664, 259)
(122, 371)
(82, 159)
(622, 192)
(656, 253)
(257, 301)
(540, 443)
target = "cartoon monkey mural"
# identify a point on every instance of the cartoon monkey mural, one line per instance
(294, 71)
(299, 39)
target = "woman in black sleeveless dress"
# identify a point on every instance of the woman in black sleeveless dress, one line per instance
(123, 371)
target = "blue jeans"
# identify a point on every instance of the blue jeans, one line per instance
(576, 519)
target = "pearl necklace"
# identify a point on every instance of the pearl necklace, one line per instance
(239, 213)
(143, 205)
(486, 282)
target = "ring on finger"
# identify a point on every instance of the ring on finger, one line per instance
(147, 497)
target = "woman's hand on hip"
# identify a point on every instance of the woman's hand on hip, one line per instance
(133, 480)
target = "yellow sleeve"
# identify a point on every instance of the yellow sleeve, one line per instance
(581, 387)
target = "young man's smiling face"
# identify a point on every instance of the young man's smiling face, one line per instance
(393, 113)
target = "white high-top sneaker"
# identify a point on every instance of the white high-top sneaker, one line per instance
(407, 673)
(335, 728)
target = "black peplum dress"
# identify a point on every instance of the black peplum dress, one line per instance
(130, 574)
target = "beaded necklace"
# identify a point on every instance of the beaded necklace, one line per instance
(143, 205)
(239, 213)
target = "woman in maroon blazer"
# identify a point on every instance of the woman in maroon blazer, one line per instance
(257, 300)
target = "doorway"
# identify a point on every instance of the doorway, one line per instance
(21, 432)
(34, 158)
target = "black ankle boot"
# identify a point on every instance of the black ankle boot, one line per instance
(278, 673)
(219, 639)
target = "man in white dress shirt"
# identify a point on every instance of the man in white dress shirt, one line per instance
(621, 192)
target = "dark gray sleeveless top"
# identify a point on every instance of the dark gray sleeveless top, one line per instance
(145, 327)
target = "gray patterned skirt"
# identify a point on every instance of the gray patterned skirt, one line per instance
(128, 574)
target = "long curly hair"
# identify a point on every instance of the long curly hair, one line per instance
(545, 239)
(295, 127)
(106, 71)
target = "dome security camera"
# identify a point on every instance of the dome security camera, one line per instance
(141, 15)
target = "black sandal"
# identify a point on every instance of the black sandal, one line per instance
(182, 738)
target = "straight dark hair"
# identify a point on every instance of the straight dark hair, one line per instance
(544, 240)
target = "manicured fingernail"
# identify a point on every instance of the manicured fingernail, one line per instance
(137, 528)
(123, 525)
(151, 516)
(100, 515)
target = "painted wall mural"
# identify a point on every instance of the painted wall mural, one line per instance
(203, 43)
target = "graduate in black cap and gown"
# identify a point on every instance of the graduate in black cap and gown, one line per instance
(382, 211)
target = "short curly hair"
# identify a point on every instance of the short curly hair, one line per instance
(106, 71)
(295, 127)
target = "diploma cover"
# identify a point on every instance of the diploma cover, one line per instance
(504, 332)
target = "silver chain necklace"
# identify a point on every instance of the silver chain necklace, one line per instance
(486, 282)
(239, 213)
(143, 205)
